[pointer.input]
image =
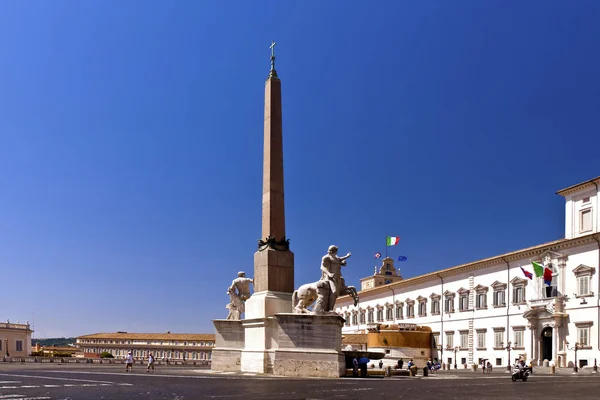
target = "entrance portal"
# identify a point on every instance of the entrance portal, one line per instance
(547, 344)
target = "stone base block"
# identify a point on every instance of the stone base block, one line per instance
(310, 332)
(309, 364)
(309, 345)
(229, 342)
(267, 304)
(226, 360)
(258, 362)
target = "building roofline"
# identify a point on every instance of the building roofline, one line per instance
(486, 262)
(155, 336)
(579, 186)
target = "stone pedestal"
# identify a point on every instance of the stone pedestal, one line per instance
(261, 341)
(229, 342)
(309, 345)
(268, 303)
(287, 344)
(274, 271)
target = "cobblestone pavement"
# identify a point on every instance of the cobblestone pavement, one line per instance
(25, 382)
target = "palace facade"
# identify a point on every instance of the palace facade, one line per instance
(489, 309)
(15, 339)
(164, 346)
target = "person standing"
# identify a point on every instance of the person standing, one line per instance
(331, 271)
(150, 363)
(129, 362)
(238, 292)
(355, 367)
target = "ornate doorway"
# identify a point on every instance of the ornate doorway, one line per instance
(547, 344)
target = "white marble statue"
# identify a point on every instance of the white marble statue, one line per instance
(238, 292)
(326, 290)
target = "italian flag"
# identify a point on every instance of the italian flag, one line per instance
(392, 240)
(538, 269)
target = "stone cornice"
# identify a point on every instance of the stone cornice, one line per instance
(529, 252)
(579, 187)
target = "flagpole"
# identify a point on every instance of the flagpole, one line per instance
(386, 247)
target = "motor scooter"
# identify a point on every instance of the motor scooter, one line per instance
(520, 373)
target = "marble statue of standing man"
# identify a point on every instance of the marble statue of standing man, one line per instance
(331, 266)
(238, 292)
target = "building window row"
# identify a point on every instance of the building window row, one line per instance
(518, 293)
(144, 342)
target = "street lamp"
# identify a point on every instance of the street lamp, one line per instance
(440, 349)
(455, 350)
(575, 347)
(508, 348)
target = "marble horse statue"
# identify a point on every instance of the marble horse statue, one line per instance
(325, 291)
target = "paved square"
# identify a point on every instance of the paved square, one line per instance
(64, 382)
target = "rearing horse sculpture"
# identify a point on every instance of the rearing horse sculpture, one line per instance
(319, 293)
(326, 290)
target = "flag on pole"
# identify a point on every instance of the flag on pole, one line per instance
(377, 255)
(538, 268)
(392, 240)
(548, 276)
(402, 258)
(527, 273)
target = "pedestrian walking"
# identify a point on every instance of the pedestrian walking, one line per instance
(129, 362)
(150, 363)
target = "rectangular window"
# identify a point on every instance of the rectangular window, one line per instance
(499, 298)
(389, 314)
(450, 339)
(422, 309)
(481, 340)
(583, 336)
(518, 294)
(463, 302)
(411, 311)
(399, 312)
(498, 339)
(354, 319)
(464, 340)
(518, 339)
(370, 316)
(380, 315)
(585, 220)
(435, 307)
(436, 339)
(362, 318)
(347, 321)
(449, 304)
(481, 300)
(583, 285)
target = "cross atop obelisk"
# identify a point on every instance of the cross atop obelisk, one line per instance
(273, 262)
(272, 73)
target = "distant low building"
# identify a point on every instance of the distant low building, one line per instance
(171, 346)
(54, 350)
(15, 339)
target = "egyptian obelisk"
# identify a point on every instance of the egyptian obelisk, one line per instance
(271, 339)
(273, 261)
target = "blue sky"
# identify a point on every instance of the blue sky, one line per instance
(131, 144)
